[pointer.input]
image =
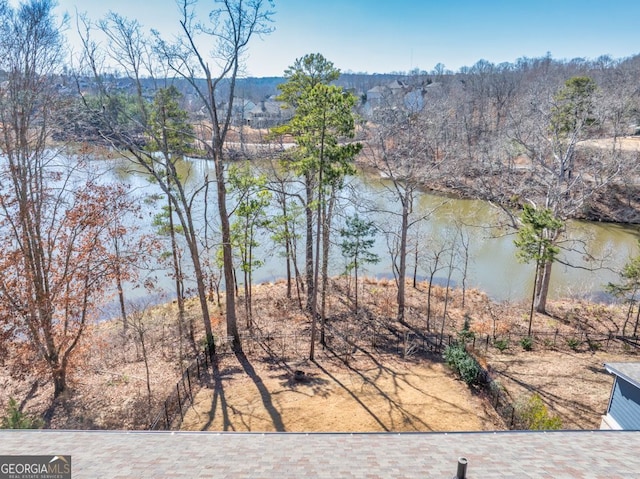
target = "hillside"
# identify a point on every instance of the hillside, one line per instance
(368, 359)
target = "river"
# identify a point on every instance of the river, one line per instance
(491, 264)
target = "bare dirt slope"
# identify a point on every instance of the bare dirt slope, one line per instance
(370, 394)
(574, 386)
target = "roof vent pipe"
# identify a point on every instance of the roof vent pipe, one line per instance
(462, 468)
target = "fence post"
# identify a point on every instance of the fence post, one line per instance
(189, 381)
(166, 415)
(179, 401)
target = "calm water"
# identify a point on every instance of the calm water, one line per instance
(492, 265)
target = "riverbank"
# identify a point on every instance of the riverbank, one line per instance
(615, 202)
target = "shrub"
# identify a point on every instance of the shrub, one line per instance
(469, 370)
(573, 343)
(594, 346)
(536, 416)
(527, 343)
(496, 387)
(16, 419)
(463, 364)
(453, 355)
(466, 334)
(501, 344)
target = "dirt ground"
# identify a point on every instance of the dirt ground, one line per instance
(627, 143)
(574, 386)
(368, 395)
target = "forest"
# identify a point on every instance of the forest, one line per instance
(543, 141)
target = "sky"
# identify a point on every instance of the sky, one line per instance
(401, 35)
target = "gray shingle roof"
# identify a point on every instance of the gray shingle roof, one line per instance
(629, 371)
(562, 454)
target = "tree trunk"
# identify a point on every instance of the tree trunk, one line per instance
(628, 318)
(326, 221)
(179, 285)
(287, 242)
(296, 270)
(402, 268)
(446, 298)
(543, 287)
(227, 254)
(355, 267)
(249, 285)
(59, 375)
(199, 277)
(314, 295)
(429, 303)
(415, 266)
(309, 244)
(121, 300)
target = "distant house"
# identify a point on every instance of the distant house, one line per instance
(376, 93)
(414, 100)
(385, 95)
(268, 113)
(396, 95)
(623, 411)
(397, 87)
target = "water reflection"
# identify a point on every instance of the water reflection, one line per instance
(598, 250)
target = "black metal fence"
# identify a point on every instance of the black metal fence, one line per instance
(405, 344)
(172, 411)
(579, 341)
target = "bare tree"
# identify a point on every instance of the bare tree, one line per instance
(403, 151)
(563, 176)
(54, 218)
(231, 26)
(140, 326)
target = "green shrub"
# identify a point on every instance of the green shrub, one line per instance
(466, 334)
(536, 416)
(16, 419)
(469, 370)
(594, 346)
(463, 364)
(573, 343)
(453, 354)
(501, 344)
(527, 343)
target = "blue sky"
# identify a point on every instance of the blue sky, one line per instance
(381, 37)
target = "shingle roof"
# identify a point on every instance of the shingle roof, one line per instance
(628, 371)
(562, 454)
